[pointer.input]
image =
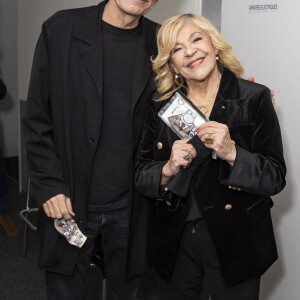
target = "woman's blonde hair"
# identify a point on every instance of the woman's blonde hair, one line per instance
(165, 80)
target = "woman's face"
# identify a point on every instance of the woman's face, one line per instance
(194, 56)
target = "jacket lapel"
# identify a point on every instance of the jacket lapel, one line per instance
(91, 49)
(142, 69)
(228, 90)
(93, 59)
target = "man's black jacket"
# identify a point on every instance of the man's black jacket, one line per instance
(63, 124)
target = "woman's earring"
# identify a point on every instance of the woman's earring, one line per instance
(217, 57)
(176, 76)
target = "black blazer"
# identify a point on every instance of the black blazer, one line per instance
(235, 202)
(63, 123)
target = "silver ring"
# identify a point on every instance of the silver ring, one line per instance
(187, 155)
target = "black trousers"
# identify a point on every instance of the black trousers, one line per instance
(197, 258)
(113, 228)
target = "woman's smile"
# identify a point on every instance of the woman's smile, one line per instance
(196, 63)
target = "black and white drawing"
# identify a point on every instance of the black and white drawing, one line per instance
(182, 116)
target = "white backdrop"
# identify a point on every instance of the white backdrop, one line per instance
(165, 9)
(267, 42)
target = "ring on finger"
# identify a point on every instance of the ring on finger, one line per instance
(187, 155)
(209, 139)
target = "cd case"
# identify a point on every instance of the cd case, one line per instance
(182, 116)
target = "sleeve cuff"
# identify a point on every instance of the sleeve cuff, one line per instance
(230, 176)
(43, 193)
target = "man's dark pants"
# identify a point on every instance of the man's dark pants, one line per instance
(113, 227)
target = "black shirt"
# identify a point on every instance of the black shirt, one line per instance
(110, 178)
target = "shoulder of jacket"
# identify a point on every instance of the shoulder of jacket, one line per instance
(257, 94)
(254, 88)
(158, 105)
(151, 28)
(151, 23)
(69, 15)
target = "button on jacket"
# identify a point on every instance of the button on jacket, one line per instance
(234, 202)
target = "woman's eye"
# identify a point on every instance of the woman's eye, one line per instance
(176, 49)
(197, 39)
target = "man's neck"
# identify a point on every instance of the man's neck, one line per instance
(114, 16)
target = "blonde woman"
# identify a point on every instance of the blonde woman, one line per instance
(211, 216)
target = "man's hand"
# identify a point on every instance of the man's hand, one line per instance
(251, 78)
(59, 207)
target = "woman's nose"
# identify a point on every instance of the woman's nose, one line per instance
(190, 51)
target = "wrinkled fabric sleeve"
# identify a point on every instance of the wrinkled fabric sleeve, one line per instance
(44, 167)
(260, 170)
(147, 174)
(181, 182)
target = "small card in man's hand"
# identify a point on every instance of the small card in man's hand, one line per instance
(70, 230)
(182, 116)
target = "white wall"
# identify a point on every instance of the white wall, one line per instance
(165, 9)
(8, 72)
(268, 45)
(211, 9)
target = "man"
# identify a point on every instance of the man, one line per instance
(90, 86)
(5, 220)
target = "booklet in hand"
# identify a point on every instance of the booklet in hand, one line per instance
(182, 116)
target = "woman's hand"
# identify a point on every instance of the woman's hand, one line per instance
(216, 136)
(181, 156)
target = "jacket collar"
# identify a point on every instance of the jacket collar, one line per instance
(88, 30)
(89, 33)
(229, 86)
(229, 90)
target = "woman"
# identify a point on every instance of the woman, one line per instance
(211, 216)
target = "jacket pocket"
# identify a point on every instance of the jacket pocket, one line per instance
(259, 209)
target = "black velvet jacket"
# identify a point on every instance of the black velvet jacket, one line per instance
(235, 202)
